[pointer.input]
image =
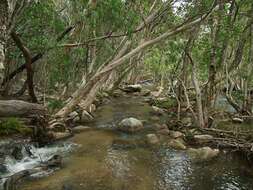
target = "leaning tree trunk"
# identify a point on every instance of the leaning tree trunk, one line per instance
(28, 60)
(85, 89)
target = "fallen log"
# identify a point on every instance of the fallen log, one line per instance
(18, 108)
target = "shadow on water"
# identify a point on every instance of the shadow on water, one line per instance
(110, 160)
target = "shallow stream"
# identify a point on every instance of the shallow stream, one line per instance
(105, 159)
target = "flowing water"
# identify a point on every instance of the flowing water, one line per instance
(105, 159)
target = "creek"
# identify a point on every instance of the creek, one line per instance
(103, 158)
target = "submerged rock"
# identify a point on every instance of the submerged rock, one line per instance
(152, 139)
(201, 139)
(130, 125)
(80, 128)
(128, 143)
(203, 154)
(177, 144)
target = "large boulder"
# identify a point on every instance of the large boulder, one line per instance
(203, 154)
(152, 139)
(201, 139)
(130, 125)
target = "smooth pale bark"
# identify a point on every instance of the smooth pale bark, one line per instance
(18, 108)
(85, 89)
(201, 120)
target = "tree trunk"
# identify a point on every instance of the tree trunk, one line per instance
(85, 89)
(28, 60)
(18, 108)
(200, 110)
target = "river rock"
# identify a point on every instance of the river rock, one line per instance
(164, 132)
(203, 154)
(130, 125)
(158, 110)
(17, 152)
(3, 169)
(177, 144)
(80, 128)
(152, 139)
(86, 117)
(158, 126)
(201, 139)
(176, 134)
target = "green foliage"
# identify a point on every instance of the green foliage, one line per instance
(55, 104)
(10, 126)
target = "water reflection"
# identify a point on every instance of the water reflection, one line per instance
(118, 162)
(173, 170)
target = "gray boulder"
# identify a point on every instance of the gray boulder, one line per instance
(130, 125)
